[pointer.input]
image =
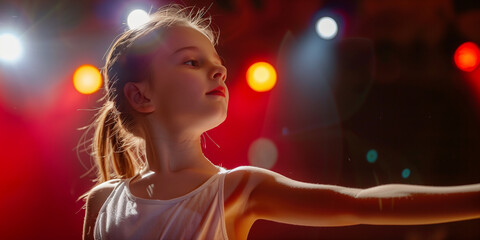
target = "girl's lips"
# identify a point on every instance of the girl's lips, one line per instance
(220, 91)
(216, 93)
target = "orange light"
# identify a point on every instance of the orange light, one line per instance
(261, 77)
(87, 79)
(467, 57)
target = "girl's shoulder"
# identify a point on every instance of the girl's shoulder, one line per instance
(95, 200)
(242, 180)
(97, 196)
(100, 192)
(249, 172)
(112, 183)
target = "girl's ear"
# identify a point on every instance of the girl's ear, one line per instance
(138, 97)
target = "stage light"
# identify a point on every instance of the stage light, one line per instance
(10, 48)
(467, 56)
(137, 18)
(406, 173)
(261, 76)
(372, 156)
(87, 79)
(263, 153)
(326, 28)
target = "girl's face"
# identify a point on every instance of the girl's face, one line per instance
(185, 69)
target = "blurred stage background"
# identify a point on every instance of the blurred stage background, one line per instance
(381, 102)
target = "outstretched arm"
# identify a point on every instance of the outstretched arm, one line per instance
(409, 204)
(277, 198)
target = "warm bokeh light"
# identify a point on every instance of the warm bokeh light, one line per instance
(326, 28)
(263, 153)
(87, 79)
(137, 18)
(10, 47)
(467, 56)
(261, 77)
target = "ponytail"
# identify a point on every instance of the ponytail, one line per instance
(117, 154)
(115, 151)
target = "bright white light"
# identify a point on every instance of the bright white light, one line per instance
(326, 28)
(137, 18)
(10, 47)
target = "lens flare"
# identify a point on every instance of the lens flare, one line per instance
(406, 173)
(372, 156)
(263, 153)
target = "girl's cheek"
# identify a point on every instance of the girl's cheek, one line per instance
(193, 82)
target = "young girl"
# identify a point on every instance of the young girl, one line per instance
(165, 86)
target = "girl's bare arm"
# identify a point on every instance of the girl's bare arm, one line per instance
(278, 198)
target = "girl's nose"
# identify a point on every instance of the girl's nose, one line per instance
(219, 73)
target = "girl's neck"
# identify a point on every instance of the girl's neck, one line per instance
(169, 153)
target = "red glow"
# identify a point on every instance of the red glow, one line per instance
(467, 57)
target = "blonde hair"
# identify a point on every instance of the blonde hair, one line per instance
(117, 152)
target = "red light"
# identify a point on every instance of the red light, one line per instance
(467, 57)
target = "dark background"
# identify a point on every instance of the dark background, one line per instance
(387, 82)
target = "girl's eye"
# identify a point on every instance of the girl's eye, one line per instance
(193, 63)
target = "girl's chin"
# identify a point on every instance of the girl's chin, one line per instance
(217, 123)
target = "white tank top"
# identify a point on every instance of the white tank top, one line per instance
(196, 215)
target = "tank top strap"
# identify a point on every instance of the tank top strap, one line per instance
(221, 194)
